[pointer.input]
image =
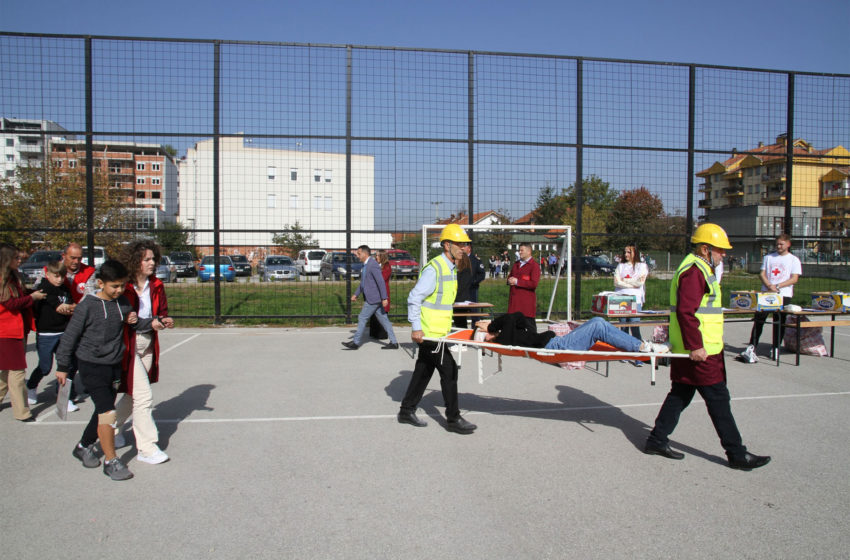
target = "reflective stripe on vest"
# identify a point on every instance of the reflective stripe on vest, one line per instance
(436, 310)
(709, 313)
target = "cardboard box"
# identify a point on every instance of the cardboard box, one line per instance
(756, 301)
(611, 303)
(831, 301)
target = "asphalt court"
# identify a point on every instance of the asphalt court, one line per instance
(285, 445)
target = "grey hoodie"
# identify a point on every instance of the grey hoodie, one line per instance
(95, 332)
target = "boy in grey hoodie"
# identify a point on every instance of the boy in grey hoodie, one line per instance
(94, 336)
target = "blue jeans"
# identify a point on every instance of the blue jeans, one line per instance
(634, 331)
(363, 319)
(45, 346)
(592, 331)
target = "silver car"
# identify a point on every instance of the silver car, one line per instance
(279, 267)
(166, 270)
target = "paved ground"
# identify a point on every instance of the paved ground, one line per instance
(286, 446)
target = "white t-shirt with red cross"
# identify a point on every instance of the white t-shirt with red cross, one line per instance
(779, 268)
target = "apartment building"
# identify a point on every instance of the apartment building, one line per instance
(25, 142)
(145, 173)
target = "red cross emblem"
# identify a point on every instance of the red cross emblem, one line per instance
(775, 271)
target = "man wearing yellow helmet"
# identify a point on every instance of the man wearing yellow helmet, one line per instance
(696, 328)
(429, 310)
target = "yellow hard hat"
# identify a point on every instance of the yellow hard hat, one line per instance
(711, 234)
(454, 232)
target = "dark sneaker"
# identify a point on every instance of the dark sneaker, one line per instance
(86, 456)
(460, 426)
(116, 470)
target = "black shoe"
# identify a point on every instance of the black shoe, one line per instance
(664, 451)
(749, 461)
(393, 346)
(460, 426)
(410, 418)
(350, 345)
(30, 419)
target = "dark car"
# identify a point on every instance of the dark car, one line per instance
(241, 264)
(594, 266)
(338, 265)
(184, 262)
(33, 268)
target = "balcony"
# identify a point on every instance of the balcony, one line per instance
(705, 203)
(733, 191)
(772, 177)
(833, 194)
(29, 148)
(773, 195)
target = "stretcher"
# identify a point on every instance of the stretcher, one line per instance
(600, 352)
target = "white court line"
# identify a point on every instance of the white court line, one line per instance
(181, 343)
(469, 413)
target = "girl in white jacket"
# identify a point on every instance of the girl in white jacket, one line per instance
(629, 278)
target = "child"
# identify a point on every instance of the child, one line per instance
(51, 317)
(95, 336)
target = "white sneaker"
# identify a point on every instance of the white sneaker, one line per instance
(72, 407)
(32, 396)
(748, 356)
(158, 457)
(654, 347)
(119, 440)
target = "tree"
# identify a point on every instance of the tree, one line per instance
(636, 214)
(596, 194)
(293, 239)
(172, 237)
(555, 207)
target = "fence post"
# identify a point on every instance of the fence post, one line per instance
(216, 176)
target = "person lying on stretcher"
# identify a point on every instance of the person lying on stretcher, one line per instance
(510, 330)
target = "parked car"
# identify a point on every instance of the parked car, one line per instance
(402, 263)
(184, 261)
(338, 265)
(99, 256)
(166, 271)
(206, 270)
(241, 264)
(593, 266)
(309, 261)
(279, 267)
(33, 268)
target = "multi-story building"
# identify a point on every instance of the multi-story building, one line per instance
(835, 202)
(746, 194)
(266, 190)
(145, 173)
(24, 142)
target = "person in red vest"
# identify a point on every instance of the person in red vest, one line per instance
(79, 276)
(140, 364)
(523, 280)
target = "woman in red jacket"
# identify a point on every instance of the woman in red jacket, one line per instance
(375, 328)
(140, 365)
(15, 321)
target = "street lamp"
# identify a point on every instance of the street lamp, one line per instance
(805, 232)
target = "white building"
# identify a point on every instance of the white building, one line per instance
(24, 142)
(269, 189)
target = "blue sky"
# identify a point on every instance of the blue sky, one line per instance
(780, 34)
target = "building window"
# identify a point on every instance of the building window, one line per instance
(155, 194)
(329, 203)
(293, 201)
(140, 167)
(293, 174)
(317, 175)
(317, 203)
(10, 173)
(72, 163)
(328, 175)
(10, 142)
(155, 181)
(10, 157)
(271, 201)
(57, 163)
(155, 166)
(140, 180)
(140, 194)
(272, 172)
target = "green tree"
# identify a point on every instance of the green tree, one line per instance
(293, 239)
(172, 237)
(635, 215)
(596, 194)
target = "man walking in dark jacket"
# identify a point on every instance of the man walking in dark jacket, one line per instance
(374, 291)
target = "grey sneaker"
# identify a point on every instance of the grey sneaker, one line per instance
(116, 470)
(86, 456)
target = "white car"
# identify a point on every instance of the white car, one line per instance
(99, 256)
(309, 261)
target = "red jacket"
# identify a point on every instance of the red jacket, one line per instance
(78, 288)
(159, 307)
(386, 272)
(523, 296)
(16, 313)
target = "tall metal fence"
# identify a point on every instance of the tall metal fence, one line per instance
(260, 149)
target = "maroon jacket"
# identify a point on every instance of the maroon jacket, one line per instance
(692, 286)
(159, 307)
(523, 297)
(387, 272)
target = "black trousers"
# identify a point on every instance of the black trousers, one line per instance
(426, 362)
(759, 320)
(101, 381)
(717, 401)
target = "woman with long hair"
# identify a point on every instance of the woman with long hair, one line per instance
(146, 293)
(15, 321)
(375, 328)
(629, 278)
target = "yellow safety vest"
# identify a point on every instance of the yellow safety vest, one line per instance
(709, 313)
(436, 310)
